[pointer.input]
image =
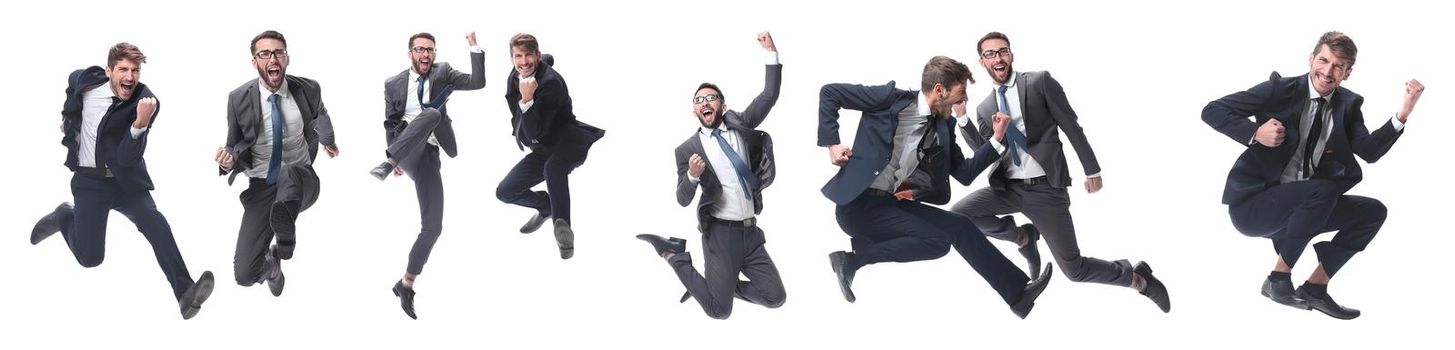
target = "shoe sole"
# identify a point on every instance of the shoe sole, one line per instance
(284, 224)
(201, 291)
(836, 263)
(566, 241)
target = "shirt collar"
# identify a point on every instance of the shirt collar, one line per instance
(1009, 83)
(413, 76)
(708, 132)
(924, 105)
(1314, 93)
(282, 89)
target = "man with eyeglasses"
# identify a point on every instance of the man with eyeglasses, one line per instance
(542, 120)
(1290, 183)
(1032, 176)
(416, 129)
(106, 118)
(732, 162)
(275, 124)
(882, 207)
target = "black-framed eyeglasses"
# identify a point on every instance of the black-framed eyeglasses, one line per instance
(267, 54)
(421, 49)
(706, 98)
(990, 54)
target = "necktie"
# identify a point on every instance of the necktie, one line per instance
(420, 90)
(745, 176)
(1314, 133)
(276, 160)
(1013, 135)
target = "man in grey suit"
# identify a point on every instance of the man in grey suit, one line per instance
(1031, 178)
(732, 162)
(274, 126)
(416, 128)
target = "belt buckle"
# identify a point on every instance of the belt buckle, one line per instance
(750, 222)
(107, 172)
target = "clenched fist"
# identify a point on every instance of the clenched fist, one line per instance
(695, 166)
(145, 110)
(1270, 134)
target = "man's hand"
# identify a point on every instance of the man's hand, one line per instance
(1000, 122)
(527, 89)
(839, 155)
(766, 40)
(146, 108)
(958, 110)
(470, 38)
(331, 150)
(1270, 134)
(905, 195)
(1093, 184)
(398, 171)
(1412, 91)
(695, 166)
(223, 158)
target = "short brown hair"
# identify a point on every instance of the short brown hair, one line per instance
(1339, 44)
(944, 71)
(990, 36)
(420, 35)
(526, 42)
(124, 51)
(271, 34)
(708, 86)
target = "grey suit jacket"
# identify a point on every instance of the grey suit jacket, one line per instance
(1044, 106)
(758, 143)
(245, 121)
(440, 75)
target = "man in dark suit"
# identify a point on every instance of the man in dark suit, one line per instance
(1290, 183)
(416, 128)
(1032, 177)
(900, 133)
(732, 162)
(106, 118)
(541, 118)
(274, 126)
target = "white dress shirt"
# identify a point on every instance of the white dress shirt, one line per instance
(95, 103)
(904, 154)
(1293, 171)
(734, 204)
(295, 149)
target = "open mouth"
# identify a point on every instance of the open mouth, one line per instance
(275, 73)
(127, 88)
(708, 114)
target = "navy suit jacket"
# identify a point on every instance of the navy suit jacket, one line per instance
(115, 148)
(1286, 99)
(550, 120)
(874, 142)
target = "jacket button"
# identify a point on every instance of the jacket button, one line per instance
(876, 173)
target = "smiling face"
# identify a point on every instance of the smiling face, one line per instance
(996, 57)
(421, 55)
(525, 61)
(270, 57)
(707, 105)
(124, 75)
(1327, 70)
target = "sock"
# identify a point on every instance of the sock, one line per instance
(1280, 276)
(407, 281)
(1318, 290)
(1138, 283)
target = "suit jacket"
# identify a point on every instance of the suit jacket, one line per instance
(1286, 99)
(758, 143)
(245, 121)
(115, 148)
(874, 143)
(550, 120)
(396, 93)
(1046, 111)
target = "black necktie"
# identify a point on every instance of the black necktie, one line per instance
(1314, 133)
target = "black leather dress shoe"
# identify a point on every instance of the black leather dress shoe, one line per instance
(565, 238)
(1031, 250)
(406, 298)
(1154, 290)
(840, 262)
(1326, 305)
(534, 223)
(1282, 292)
(48, 225)
(663, 245)
(382, 171)
(284, 219)
(1022, 308)
(192, 299)
(275, 283)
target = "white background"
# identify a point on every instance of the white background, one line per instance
(1137, 74)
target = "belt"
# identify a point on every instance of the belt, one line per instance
(1031, 181)
(95, 172)
(750, 222)
(257, 181)
(874, 192)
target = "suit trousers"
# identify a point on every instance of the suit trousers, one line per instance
(1292, 214)
(410, 145)
(1049, 208)
(297, 188)
(84, 226)
(551, 165)
(731, 249)
(886, 229)
(425, 171)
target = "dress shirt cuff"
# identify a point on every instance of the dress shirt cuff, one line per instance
(476, 49)
(693, 179)
(773, 58)
(526, 106)
(1398, 125)
(1094, 176)
(136, 133)
(999, 148)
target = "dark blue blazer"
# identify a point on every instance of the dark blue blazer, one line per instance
(115, 148)
(1286, 99)
(874, 141)
(550, 120)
